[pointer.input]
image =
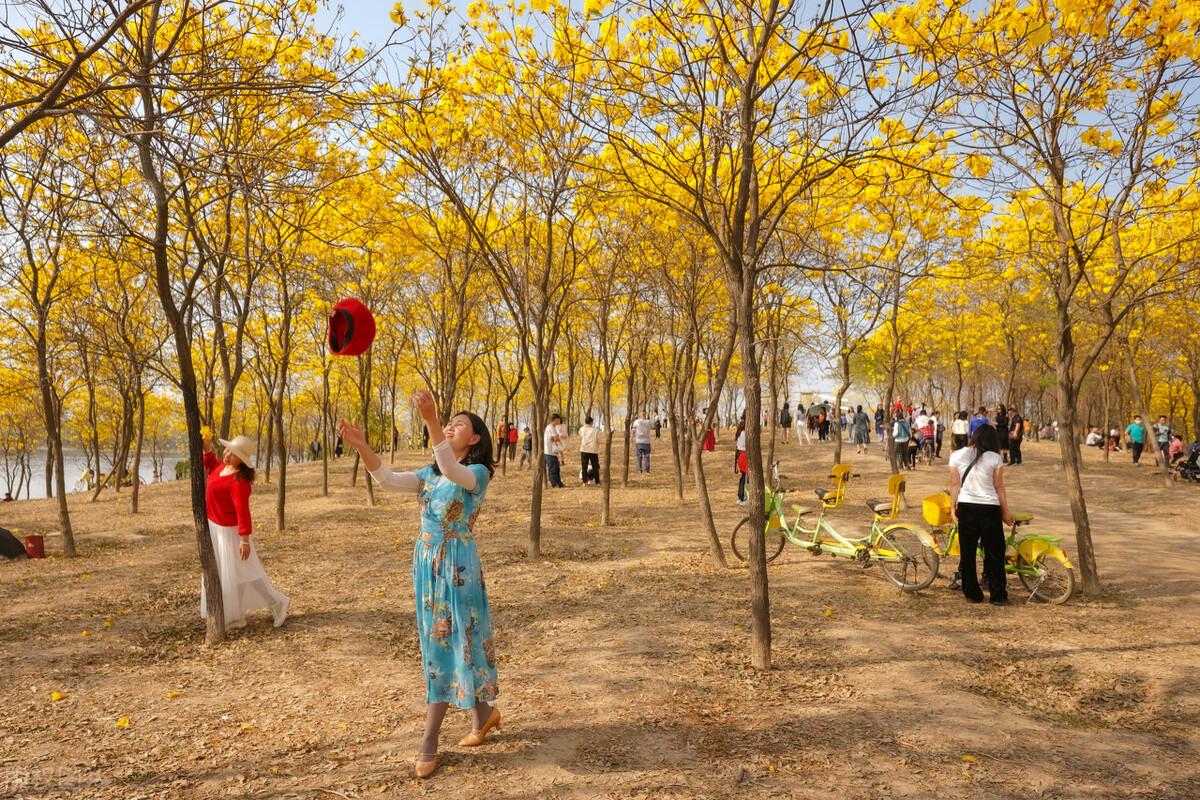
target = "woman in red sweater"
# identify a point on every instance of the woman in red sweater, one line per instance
(244, 584)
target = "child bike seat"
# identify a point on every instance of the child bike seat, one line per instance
(1021, 518)
(880, 506)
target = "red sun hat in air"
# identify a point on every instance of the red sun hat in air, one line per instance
(351, 328)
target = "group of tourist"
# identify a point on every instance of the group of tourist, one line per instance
(1167, 444)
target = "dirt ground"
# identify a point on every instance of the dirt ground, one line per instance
(624, 666)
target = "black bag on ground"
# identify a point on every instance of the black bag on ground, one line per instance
(10, 546)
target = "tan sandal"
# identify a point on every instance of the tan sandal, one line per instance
(476, 738)
(425, 764)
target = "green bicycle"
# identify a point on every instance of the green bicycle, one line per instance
(906, 553)
(1037, 560)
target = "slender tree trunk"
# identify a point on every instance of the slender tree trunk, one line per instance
(325, 431)
(1068, 444)
(54, 449)
(364, 376)
(215, 627)
(137, 451)
(760, 614)
(630, 413)
(281, 445)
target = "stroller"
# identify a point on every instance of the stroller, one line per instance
(1189, 468)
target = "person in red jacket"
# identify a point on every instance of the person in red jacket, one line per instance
(244, 584)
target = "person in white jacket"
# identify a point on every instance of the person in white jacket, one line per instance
(589, 452)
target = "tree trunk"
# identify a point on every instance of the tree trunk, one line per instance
(364, 375)
(215, 623)
(281, 449)
(1068, 445)
(54, 449)
(630, 412)
(137, 450)
(760, 613)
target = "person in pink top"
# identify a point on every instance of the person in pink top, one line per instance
(244, 583)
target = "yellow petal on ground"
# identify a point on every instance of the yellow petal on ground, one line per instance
(106, 624)
(968, 758)
(56, 696)
(173, 695)
(828, 612)
(86, 633)
(123, 722)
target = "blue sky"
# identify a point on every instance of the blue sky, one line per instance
(368, 17)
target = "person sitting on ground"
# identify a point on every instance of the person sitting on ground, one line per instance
(1176, 449)
(1093, 439)
(1114, 441)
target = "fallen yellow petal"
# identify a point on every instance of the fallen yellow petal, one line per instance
(56, 696)
(172, 695)
(828, 612)
(968, 758)
(107, 623)
(86, 633)
(123, 722)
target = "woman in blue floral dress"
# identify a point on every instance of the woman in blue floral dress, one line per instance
(453, 623)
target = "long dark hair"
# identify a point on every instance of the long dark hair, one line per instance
(245, 471)
(985, 439)
(481, 451)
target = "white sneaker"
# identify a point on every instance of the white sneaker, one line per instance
(279, 610)
(743, 502)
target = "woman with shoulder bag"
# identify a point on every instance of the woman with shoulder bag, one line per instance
(979, 504)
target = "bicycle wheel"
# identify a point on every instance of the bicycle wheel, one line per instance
(1051, 581)
(739, 541)
(906, 560)
(942, 537)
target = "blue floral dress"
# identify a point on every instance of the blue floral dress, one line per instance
(453, 621)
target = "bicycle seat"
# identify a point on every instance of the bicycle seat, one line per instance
(1021, 518)
(822, 493)
(801, 510)
(880, 506)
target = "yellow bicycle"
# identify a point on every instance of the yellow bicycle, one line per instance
(1043, 567)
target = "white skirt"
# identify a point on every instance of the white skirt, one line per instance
(244, 584)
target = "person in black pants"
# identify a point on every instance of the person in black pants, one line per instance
(1002, 423)
(1016, 435)
(979, 504)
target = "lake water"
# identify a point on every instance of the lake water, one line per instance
(74, 465)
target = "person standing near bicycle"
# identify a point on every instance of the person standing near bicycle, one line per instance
(979, 506)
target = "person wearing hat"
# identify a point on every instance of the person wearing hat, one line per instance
(454, 623)
(244, 583)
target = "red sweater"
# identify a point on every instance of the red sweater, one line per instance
(227, 496)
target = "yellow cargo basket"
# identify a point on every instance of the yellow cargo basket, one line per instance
(936, 509)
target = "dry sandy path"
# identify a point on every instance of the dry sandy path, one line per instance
(624, 669)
